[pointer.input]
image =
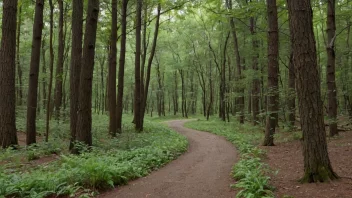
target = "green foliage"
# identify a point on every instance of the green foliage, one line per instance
(130, 156)
(250, 172)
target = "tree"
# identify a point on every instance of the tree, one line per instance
(60, 61)
(240, 99)
(292, 94)
(8, 135)
(273, 68)
(317, 167)
(51, 68)
(84, 119)
(75, 68)
(150, 61)
(256, 82)
(330, 73)
(18, 61)
(112, 70)
(121, 75)
(33, 73)
(137, 68)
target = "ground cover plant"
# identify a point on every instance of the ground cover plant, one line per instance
(111, 162)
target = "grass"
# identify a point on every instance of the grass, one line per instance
(111, 162)
(250, 172)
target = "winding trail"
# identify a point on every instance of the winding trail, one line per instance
(202, 172)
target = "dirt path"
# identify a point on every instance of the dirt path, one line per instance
(202, 172)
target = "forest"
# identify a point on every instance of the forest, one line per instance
(176, 98)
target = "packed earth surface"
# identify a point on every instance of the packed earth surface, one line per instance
(287, 159)
(202, 172)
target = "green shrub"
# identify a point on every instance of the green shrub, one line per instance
(130, 156)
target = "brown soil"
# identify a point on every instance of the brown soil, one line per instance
(287, 158)
(21, 136)
(202, 172)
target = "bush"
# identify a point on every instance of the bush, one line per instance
(99, 169)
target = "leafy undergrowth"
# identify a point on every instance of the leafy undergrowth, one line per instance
(111, 162)
(250, 172)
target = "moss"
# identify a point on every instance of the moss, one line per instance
(323, 174)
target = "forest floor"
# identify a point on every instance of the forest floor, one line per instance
(202, 172)
(286, 157)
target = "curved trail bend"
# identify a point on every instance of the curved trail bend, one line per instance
(202, 172)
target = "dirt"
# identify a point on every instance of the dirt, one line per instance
(202, 172)
(287, 158)
(21, 136)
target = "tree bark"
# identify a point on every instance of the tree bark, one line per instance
(317, 167)
(19, 67)
(240, 99)
(8, 135)
(33, 73)
(75, 66)
(84, 118)
(291, 93)
(112, 70)
(137, 92)
(256, 83)
(330, 69)
(60, 61)
(149, 65)
(51, 68)
(273, 69)
(121, 75)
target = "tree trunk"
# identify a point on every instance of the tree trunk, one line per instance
(44, 74)
(291, 93)
(240, 99)
(121, 75)
(19, 67)
(51, 68)
(273, 69)
(75, 66)
(330, 69)
(149, 66)
(60, 61)
(8, 135)
(137, 92)
(84, 118)
(256, 82)
(33, 73)
(112, 70)
(317, 167)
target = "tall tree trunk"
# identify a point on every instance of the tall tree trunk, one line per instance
(240, 99)
(330, 73)
(51, 68)
(273, 69)
(75, 67)
(291, 93)
(223, 81)
(137, 92)
(121, 75)
(84, 119)
(33, 73)
(44, 74)
(18, 60)
(112, 70)
(175, 94)
(317, 167)
(256, 82)
(183, 94)
(60, 61)
(8, 135)
(149, 65)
